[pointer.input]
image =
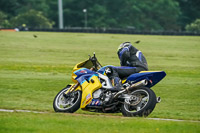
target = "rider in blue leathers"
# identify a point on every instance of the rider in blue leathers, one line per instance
(132, 61)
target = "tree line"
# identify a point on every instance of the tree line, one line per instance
(149, 15)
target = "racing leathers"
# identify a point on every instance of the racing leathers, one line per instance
(132, 61)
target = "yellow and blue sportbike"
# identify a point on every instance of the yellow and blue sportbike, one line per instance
(93, 91)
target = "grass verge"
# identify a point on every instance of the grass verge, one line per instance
(55, 122)
(33, 70)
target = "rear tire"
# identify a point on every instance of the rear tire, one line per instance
(69, 104)
(142, 105)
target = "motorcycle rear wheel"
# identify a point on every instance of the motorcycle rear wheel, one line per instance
(68, 104)
(142, 102)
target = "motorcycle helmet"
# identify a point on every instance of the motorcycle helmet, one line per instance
(121, 46)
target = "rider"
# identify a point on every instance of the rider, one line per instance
(132, 61)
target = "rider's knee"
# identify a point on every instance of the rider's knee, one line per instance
(108, 71)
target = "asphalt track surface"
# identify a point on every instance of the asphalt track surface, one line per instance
(75, 114)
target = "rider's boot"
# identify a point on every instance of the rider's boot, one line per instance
(117, 83)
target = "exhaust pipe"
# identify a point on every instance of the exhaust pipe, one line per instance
(158, 99)
(138, 84)
(133, 86)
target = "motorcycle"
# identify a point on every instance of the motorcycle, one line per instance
(93, 91)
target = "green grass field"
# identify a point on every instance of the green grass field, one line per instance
(33, 70)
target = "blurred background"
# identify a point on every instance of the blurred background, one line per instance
(139, 15)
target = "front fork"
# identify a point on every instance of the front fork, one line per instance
(71, 89)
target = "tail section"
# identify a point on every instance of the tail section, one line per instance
(152, 76)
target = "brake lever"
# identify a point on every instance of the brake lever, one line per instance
(89, 56)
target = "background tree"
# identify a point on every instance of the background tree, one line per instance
(190, 11)
(145, 14)
(137, 14)
(33, 19)
(3, 20)
(194, 27)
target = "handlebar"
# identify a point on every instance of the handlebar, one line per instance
(96, 64)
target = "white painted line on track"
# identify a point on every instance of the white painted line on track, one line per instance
(8, 110)
(163, 119)
(159, 119)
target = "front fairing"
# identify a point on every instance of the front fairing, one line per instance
(83, 74)
(85, 64)
(89, 82)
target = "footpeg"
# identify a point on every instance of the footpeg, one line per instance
(158, 99)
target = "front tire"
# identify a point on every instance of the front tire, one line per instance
(141, 102)
(68, 104)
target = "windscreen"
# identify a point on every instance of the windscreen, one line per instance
(86, 64)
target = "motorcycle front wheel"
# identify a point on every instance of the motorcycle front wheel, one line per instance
(67, 103)
(139, 102)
